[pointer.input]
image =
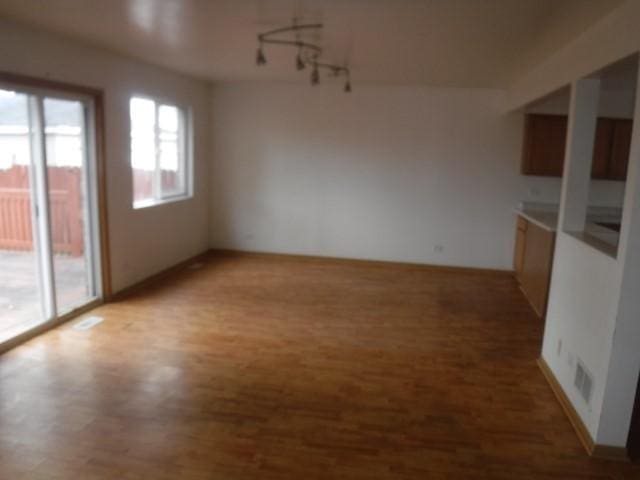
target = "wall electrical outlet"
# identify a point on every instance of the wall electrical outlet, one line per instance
(438, 249)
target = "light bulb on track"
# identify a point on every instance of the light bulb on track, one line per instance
(315, 75)
(260, 58)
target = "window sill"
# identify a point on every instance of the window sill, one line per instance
(141, 204)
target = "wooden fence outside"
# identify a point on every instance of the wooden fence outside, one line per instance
(65, 203)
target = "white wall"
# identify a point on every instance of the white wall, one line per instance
(582, 308)
(384, 173)
(614, 37)
(603, 193)
(625, 359)
(584, 293)
(593, 304)
(145, 241)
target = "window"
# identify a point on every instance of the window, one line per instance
(159, 156)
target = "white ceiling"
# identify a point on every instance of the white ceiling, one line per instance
(481, 43)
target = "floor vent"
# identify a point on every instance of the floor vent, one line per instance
(583, 382)
(88, 323)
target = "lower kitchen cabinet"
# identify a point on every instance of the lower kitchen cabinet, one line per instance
(518, 254)
(533, 260)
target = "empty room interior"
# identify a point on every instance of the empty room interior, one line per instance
(319, 239)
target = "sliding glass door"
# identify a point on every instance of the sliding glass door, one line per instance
(20, 288)
(48, 221)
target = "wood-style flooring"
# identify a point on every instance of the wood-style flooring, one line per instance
(274, 367)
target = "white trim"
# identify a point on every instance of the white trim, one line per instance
(91, 225)
(39, 160)
(152, 202)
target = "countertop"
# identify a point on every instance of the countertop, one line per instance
(546, 216)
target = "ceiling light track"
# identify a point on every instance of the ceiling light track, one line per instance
(308, 53)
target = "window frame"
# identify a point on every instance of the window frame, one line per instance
(185, 153)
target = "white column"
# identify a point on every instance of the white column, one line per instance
(583, 115)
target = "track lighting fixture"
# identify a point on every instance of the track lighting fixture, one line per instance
(308, 53)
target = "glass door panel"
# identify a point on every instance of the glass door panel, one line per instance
(20, 281)
(69, 202)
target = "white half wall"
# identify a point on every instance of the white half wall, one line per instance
(383, 173)
(145, 241)
(583, 302)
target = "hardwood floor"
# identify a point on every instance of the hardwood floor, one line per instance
(267, 367)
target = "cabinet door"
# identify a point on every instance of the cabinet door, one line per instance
(602, 148)
(518, 253)
(544, 144)
(536, 272)
(620, 149)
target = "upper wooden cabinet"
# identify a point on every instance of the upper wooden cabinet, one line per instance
(620, 150)
(544, 146)
(544, 142)
(602, 148)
